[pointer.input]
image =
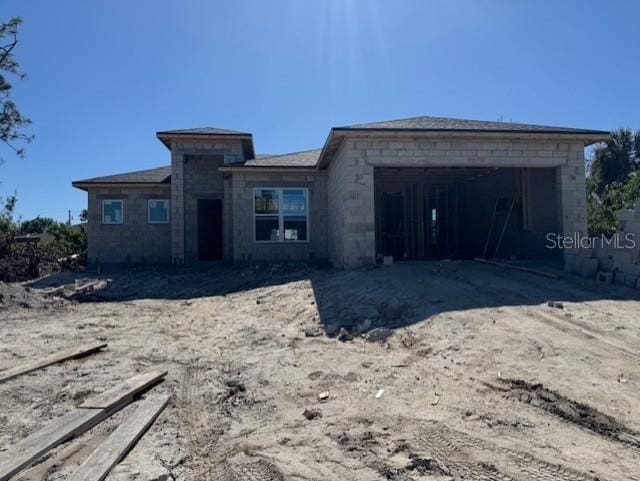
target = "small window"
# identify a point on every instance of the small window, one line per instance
(112, 212)
(158, 211)
(281, 215)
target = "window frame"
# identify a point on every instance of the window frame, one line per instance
(281, 216)
(104, 201)
(155, 222)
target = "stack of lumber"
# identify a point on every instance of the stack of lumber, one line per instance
(90, 413)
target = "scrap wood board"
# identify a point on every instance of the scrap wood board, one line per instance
(49, 360)
(517, 268)
(30, 449)
(98, 465)
(25, 452)
(127, 389)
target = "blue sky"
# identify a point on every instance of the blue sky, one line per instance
(105, 76)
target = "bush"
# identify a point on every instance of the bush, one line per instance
(20, 261)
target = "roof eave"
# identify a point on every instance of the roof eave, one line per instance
(167, 137)
(85, 185)
(264, 168)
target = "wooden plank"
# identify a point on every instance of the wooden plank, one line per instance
(517, 268)
(30, 449)
(98, 465)
(126, 390)
(52, 359)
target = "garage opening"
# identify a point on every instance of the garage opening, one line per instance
(461, 213)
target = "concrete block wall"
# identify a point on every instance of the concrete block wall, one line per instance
(617, 262)
(195, 176)
(350, 179)
(570, 179)
(227, 213)
(177, 208)
(245, 249)
(351, 208)
(135, 240)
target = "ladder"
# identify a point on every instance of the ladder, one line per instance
(502, 205)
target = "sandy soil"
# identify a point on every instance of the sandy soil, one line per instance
(457, 370)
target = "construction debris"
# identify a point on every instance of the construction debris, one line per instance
(98, 465)
(125, 391)
(74, 423)
(344, 335)
(380, 334)
(517, 267)
(76, 290)
(556, 304)
(311, 414)
(61, 356)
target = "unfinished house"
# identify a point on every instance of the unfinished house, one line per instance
(419, 188)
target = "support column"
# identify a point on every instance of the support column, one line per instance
(177, 208)
(570, 182)
(351, 224)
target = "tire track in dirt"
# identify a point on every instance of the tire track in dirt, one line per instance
(571, 328)
(595, 333)
(451, 445)
(571, 411)
(431, 448)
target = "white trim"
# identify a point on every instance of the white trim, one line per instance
(280, 215)
(121, 209)
(149, 221)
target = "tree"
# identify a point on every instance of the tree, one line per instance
(7, 209)
(84, 216)
(12, 122)
(37, 225)
(616, 159)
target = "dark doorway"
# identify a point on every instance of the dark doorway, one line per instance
(392, 217)
(441, 209)
(209, 229)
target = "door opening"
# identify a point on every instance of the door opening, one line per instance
(209, 229)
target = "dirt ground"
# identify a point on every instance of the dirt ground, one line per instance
(456, 370)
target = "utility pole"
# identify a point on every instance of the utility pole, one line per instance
(69, 221)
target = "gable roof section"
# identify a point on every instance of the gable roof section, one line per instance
(444, 124)
(305, 158)
(159, 175)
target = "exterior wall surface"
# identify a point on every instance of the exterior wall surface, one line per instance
(245, 249)
(341, 198)
(135, 240)
(195, 176)
(350, 208)
(350, 184)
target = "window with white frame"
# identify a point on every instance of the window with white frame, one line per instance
(112, 211)
(158, 211)
(281, 215)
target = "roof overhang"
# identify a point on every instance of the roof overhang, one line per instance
(338, 134)
(288, 170)
(97, 185)
(168, 138)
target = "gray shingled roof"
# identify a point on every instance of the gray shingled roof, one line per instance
(159, 175)
(306, 158)
(463, 125)
(202, 131)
